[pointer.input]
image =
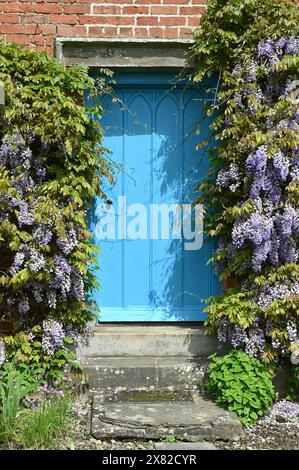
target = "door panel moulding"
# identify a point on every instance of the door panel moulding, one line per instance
(121, 52)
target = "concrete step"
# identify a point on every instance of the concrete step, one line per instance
(149, 340)
(194, 420)
(103, 372)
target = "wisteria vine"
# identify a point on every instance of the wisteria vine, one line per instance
(51, 167)
(252, 190)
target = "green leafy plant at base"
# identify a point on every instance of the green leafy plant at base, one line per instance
(40, 428)
(15, 385)
(242, 384)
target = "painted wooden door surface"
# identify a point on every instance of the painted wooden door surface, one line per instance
(148, 275)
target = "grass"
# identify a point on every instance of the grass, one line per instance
(14, 386)
(43, 427)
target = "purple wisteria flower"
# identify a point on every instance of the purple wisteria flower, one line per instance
(257, 229)
(265, 49)
(252, 340)
(26, 216)
(79, 336)
(69, 242)
(53, 336)
(292, 46)
(43, 234)
(264, 296)
(62, 279)
(24, 307)
(230, 178)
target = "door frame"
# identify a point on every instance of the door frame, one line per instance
(131, 55)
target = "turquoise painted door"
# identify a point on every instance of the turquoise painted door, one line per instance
(147, 272)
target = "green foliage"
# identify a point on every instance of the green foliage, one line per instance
(234, 305)
(41, 428)
(14, 386)
(231, 30)
(23, 351)
(242, 384)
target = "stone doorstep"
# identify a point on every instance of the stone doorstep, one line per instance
(135, 372)
(150, 340)
(189, 421)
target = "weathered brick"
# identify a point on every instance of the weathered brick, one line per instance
(9, 18)
(147, 20)
(117, 20)
(141, 32)
(126, 32)
(194, 10)
(135, 10)
(47, 29)
(63, 19)
(148, 2)
(171, 32)
(172, 21)
(106, 10)
(110, 31)
(47, 8)
(96, 31)
(176, 2)
(18, 29)
(156, 32)
(164, 10)
(74, 8)
(36, 19)
(17, 7)
(68, 30)
(18, 39)
(37, 39)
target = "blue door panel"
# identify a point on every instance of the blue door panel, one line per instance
(152, 134)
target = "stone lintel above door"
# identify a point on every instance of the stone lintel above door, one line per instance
(124, 53)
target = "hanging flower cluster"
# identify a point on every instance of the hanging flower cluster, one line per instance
(54, 334)
(258, 187)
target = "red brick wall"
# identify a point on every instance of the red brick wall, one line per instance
(37, 23)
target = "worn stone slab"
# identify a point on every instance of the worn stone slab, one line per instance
(190, 421)
(184, 446)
